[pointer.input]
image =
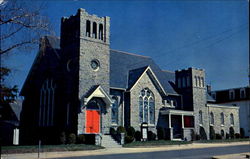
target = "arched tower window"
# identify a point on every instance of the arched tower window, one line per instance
(114, 114)
(100, 31)
(200, 117)
(231, 119)
(202, 82)
(188, 81)
(212, 118)
(222, 118)
(88, 28)
(184, 82)
(196, 81)
(94, 30)
(146, 106)
(199, 82)
(47, 96)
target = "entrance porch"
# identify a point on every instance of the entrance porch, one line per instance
(180, 124)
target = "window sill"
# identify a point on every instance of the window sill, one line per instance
(211, 124)
(222, 125)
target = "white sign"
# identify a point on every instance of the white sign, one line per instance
(144, 133)
(16, 137)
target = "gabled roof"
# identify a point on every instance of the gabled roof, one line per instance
(134, 75)
(121, 63)
(139, 73)
(48, 44)
(97, 91)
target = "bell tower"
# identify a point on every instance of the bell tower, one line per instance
(85, 39)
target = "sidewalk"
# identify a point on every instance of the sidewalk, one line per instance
(122, 150)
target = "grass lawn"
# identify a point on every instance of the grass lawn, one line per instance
(48, 148)
(155, 143)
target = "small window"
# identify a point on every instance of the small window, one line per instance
(231, 94)
(231, 119)
(88, 28)
(114, 113)
(200, 118)
(222, 118)
(242, 93)
(212, 118)
(214, 95)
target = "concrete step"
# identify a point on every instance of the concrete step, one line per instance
(109, 142)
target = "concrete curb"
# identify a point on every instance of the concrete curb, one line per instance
(121, 151)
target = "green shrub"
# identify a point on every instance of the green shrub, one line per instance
(121, 129)
(231, 132)
(203, 134)
(218, 136)
(222, 133)
(227, 136)
(129, 139)
(138, 136)
(212, 133)
(237, 135)
(197, 137)
(62, 138)
(160, 133)
(112, 131)
(130, 131)
(72, 138)
(81, 139)
(151, 136)
(242, 133)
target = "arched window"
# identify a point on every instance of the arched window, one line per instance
(212, 118)
(94, 33)
(199, 81)
(196, 81)
(183, 82)
(200, 117)
(179, 83)
(100, 31)
(88, 28)
(188, 81)
(114, 114)
(222, 118)
(231, 119)
(46, 110)
(146, 106)
(202, 82)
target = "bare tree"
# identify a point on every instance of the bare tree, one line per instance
(21, 25)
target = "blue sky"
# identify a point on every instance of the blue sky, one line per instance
(213, 35)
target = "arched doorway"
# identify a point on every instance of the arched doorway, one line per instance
(93, 116)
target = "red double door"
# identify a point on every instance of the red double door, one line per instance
(93, 121)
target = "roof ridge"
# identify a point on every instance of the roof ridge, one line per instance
(124, 52)
(167, 71)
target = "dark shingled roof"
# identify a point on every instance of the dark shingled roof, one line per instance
(134, 75)
(121, 63)
(210, 99)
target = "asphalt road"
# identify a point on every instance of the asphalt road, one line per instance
(201, 153)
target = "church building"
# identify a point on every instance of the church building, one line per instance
(78, 84)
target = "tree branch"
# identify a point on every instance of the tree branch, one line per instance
(16, 45)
